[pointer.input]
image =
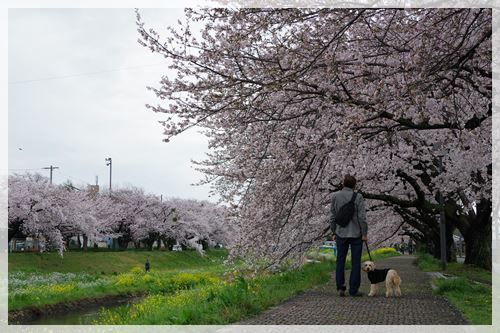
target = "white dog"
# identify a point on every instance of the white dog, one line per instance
(390, 276)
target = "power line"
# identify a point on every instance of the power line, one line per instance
(82, 74)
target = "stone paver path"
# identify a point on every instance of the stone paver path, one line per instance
(323, 306)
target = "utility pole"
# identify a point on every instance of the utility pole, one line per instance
(109, 163)
(442, 224)
(440, 153)
(51, 168)
(161, 197)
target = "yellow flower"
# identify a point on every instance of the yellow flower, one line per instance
(124, 280)
(147, 278)
(61, 288)
(136, 270)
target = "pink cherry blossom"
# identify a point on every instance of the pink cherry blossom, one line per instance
(293, 99)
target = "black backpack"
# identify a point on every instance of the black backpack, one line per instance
(346, 212)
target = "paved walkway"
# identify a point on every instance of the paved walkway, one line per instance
(323, 306)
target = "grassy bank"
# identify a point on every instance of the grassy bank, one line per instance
(105, 263)
(65, 287)
(226, 301)
(34, 282)
(469, 291)
(181, 278)
(428, 263)
(219, 303)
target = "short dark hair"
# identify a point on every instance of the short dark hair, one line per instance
(349, 181)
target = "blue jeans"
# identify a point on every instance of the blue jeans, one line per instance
(355, 277)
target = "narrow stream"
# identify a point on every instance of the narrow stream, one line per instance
(84, 316)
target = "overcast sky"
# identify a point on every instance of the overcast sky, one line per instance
(77, 90)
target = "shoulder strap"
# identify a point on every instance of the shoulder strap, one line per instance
(353, 198)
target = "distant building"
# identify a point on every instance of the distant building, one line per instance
(20, 243)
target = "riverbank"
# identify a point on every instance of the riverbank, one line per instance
(228, 301)
(31, 314)
(105, 262)
(233, 292)
(34, 286)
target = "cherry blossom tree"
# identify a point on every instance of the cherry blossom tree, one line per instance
(293, 99)
(55, 214)
(200, 224)
(134, 209)
(39, 209)
(144, 218)
(155, 223)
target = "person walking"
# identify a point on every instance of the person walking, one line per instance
(348, 232)
(403, 246)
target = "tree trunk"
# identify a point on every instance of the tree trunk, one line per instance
(85, 242)
(79, 242)
(123, 243)
(476, 230)
(67, 241)
(451, 253)
(152, 237)
(169, 243)
(434, 246)
(204, 244)
(478, 246)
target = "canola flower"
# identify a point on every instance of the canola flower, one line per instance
(173, 307)
(125, 280)
(62, 288)
(56, 287)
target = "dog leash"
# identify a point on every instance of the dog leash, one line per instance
(368, 250)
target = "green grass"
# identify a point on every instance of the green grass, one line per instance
(41, 293)
(326, 255)
(470, 291)
(227, 302)
(221, 303)
(43, 279)
(110, 262)
(472, 299)
(428, 263)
